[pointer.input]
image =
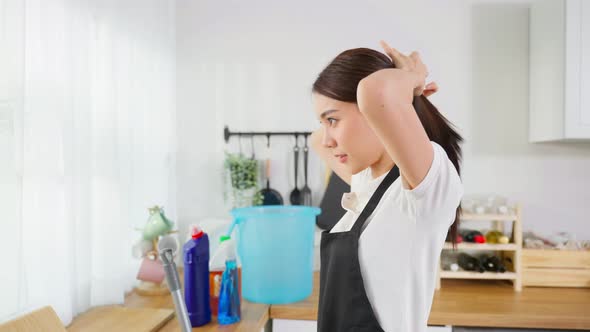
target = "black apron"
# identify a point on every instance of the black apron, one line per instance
(344, 305)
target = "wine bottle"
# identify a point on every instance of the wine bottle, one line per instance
(470, 263)
(493, 264)
(496, 237)
(472, 236)
(503, 239)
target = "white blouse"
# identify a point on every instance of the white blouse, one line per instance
(400, 246)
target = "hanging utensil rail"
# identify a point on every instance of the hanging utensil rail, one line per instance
(227, 134)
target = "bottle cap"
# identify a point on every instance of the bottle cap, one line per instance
(196, 231)
(479, 239)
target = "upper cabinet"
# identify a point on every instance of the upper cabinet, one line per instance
(559, 70)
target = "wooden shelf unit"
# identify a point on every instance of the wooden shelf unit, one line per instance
(510, 253)
(477, 275)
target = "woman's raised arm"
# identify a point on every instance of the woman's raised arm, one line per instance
(385, 99)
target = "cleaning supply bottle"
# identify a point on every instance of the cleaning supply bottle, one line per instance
(196, 277)
(229, 310)
(216, 268)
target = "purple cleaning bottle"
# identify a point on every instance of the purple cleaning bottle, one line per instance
(196, 277)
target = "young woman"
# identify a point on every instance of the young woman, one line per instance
(401, 157)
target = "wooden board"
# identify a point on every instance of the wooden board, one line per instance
(556, 268)
(254, 318)
(556, 258)
(121, 319)
(482, 246)
(556, 277)
(43, 319)
(477, 275)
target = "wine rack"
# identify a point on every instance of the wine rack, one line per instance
(510, 253)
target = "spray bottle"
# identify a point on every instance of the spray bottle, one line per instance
(229, 310)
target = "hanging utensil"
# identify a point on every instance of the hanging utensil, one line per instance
(295, 196)
(269, 196)
(305, 191)
(240, 143)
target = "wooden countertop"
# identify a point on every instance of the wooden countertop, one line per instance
(484, 304)
(457, 303)
(496, 304)
(120, 318)
(254, 315)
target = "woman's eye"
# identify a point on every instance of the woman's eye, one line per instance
(330, 121)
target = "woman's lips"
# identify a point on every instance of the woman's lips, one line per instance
(342, 157)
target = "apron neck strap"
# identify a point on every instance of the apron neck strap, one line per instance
(374, 200)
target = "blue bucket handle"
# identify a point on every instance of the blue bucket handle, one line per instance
(236, 221)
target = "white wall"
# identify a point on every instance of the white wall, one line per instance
(250, 65)
(551, 180)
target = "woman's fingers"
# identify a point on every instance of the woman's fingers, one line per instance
(411, 63)
(406, 62)
(418, 64)
(430, 89)
(398, 59)
(388, 50)
(431, 85)
(428, 93)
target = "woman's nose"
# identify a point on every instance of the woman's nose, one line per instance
(328, 141)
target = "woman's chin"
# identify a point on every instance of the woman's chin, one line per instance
(354, 169)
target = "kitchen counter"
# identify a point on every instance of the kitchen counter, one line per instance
(484, 304)
(457, 303)
(496, 304)
(254, 315)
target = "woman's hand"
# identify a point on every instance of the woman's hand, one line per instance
(385, 98)
(413, 64)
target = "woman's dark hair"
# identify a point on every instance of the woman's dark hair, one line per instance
(339, 80)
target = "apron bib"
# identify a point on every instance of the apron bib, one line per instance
(343, 303)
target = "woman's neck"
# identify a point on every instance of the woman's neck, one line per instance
(382, 166)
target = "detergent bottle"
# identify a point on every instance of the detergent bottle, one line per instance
(196, 277)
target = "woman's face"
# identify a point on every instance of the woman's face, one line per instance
(347, 134)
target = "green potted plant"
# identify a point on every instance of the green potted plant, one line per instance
(242, 174)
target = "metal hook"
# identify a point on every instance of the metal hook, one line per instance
(240, 143)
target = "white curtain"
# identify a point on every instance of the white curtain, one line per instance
(87, 139)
